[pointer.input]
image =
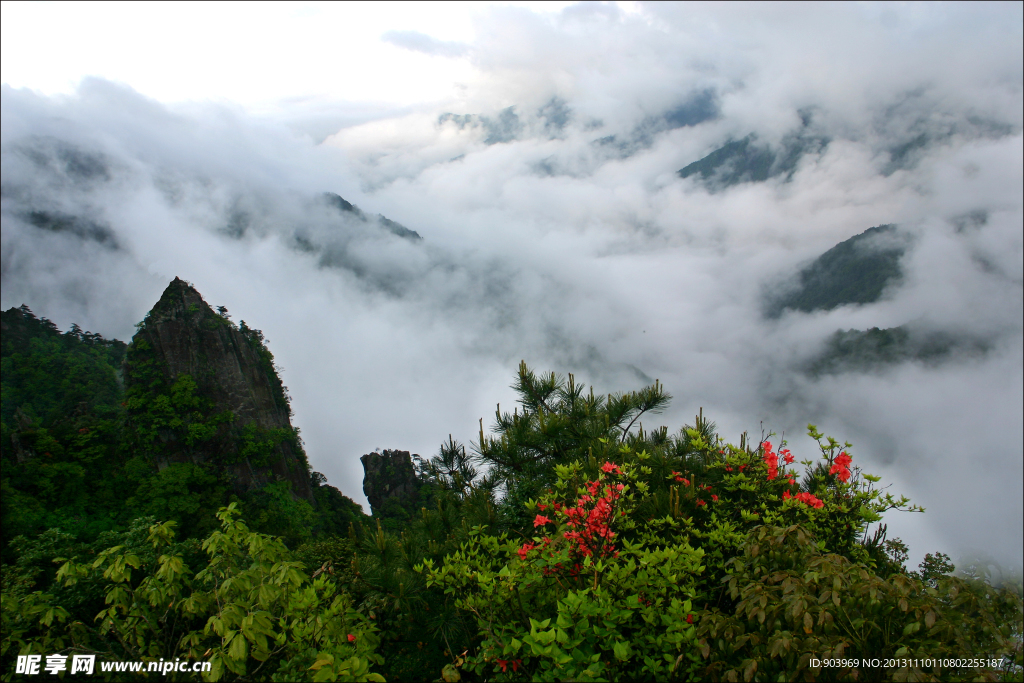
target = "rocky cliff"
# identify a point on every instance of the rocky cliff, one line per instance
(390, 482)
(201, 389)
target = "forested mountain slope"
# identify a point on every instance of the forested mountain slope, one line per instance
(188, 417)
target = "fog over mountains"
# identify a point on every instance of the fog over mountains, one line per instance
(625, 196)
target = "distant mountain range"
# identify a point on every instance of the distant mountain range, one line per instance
(749, 160)
(858, 271)
(874, 349)
(386, 223)
(855, 271)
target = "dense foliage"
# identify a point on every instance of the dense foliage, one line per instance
(568, 544)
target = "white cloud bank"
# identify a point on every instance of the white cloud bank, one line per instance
(557, 231)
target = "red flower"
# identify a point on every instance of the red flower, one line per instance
(525, 550)
(728, 469)
(771, 460)
(689, 618)
(841, 472)
(516, 663)
(841, 467)
(787, 457)
(503, 663)
(714, 497)
(542, 507)
(701, 503)
(351, 638)
(792, 480)
(609, 467)
(805, 498)
(541, 520)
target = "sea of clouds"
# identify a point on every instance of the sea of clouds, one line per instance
(556, 230)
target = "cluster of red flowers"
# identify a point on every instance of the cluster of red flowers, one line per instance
(805, 498)
(610, 468)
(589, 531)
(729, 468)
(771, 459)
(503, 663)
(841, 467)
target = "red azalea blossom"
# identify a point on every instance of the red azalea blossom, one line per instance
(701, 503)
(689, 618)
(841, 467)
(588, 523)
(610, 467)
(542, 507)
(804, 497)
(351, 638)
(787, 457)
(842, 472)
(714, 498)
(792, 480)
(502, 663)
(525, 550)
(515, 664)
(771, 460)
(728, 469)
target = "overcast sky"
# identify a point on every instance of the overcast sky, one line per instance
(535, 148)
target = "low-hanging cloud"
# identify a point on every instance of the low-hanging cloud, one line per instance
(556, 229)
(421, 42)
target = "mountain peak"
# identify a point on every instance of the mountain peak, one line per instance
(230, 408)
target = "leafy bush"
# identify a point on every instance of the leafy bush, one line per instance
(251, 611)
